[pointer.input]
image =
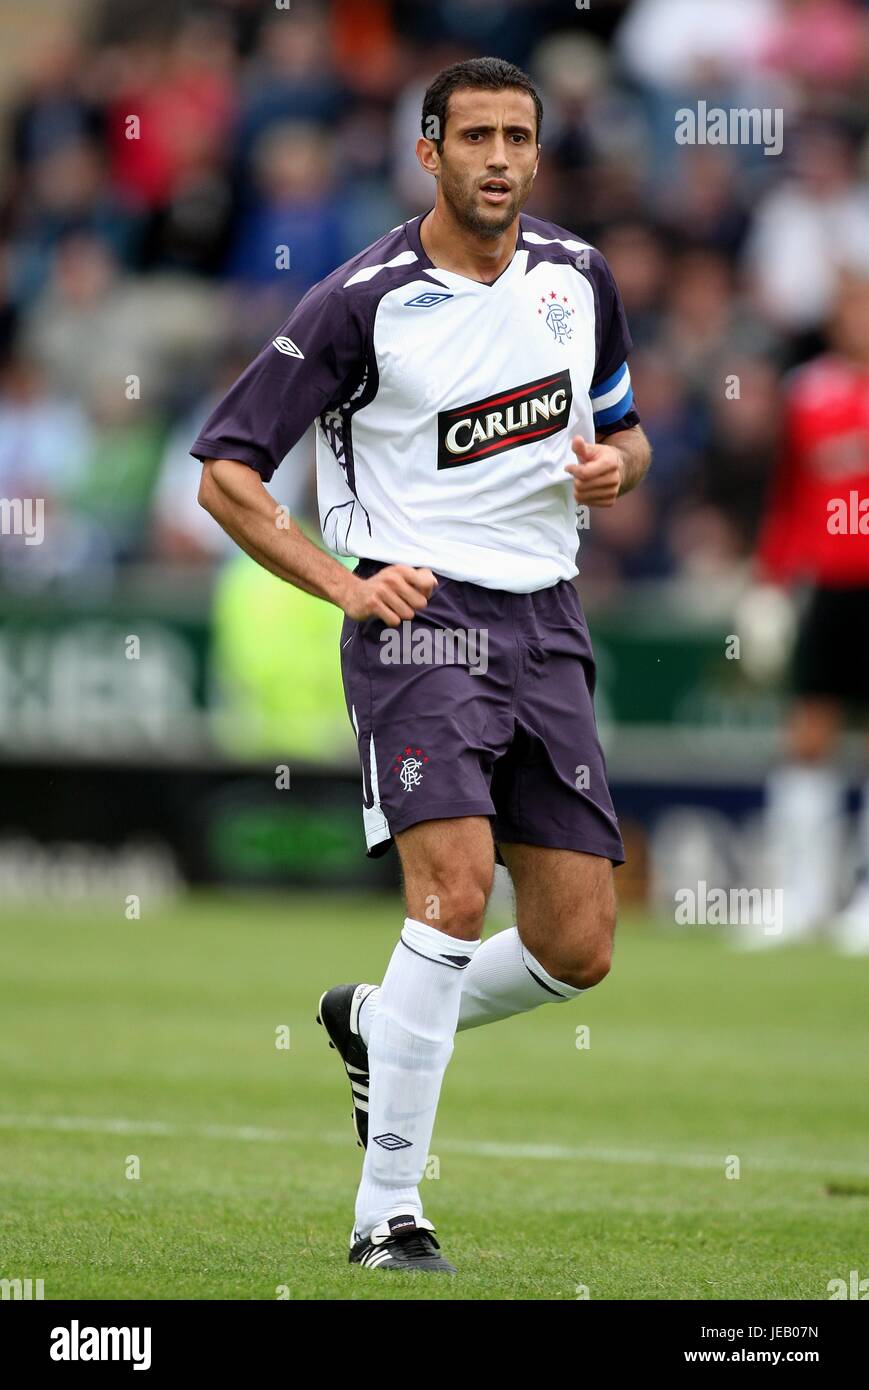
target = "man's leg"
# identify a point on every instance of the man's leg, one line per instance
(805, 819)
(448, 867)
(561, 945)
(852, 926)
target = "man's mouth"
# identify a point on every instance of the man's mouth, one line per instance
(495, 190)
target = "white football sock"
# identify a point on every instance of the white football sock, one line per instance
(505, 979)
(502, 979)
(856, 913)
(804, 810)
(410, 1042)
(863, 838)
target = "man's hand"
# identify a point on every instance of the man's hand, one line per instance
(612, 466)
(392, 594)
(235, 496)
(597, 475)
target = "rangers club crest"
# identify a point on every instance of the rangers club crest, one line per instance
(410, 766)
(557, 312)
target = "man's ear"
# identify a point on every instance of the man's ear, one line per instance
(426, 153)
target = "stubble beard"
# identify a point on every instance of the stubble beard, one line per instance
(460, 196)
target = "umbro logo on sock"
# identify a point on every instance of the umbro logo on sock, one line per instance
(391, 1141)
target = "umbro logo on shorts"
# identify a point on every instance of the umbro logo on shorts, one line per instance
(288, 346)
(519, 415)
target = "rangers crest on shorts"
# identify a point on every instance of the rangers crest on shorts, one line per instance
(410, 766)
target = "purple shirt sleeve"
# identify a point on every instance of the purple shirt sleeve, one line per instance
(308, 366)
(613, 345)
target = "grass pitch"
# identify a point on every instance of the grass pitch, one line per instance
(150, 1047)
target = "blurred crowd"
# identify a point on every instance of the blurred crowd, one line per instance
(157, 154)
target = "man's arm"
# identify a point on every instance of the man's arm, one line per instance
(235, 495)
(611, 466)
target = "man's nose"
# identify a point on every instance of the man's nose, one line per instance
(498, 155)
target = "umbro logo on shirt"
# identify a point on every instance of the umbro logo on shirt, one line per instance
(288, 346)
(426, 300)
(521, 415)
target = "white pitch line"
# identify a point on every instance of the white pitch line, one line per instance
(82, 1124)
(653, 1157)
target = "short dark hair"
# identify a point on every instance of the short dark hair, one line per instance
(490, 74)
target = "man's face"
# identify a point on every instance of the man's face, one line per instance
(489, 158)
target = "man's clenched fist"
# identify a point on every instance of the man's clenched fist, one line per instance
(392, 594)
(598, 473)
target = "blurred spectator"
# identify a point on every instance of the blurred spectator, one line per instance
(54, 110)
(636, 256)
(172, 112)
(294, 212)
(744, 431)
(44, 437)
(364, 46)
(117, 481)
(820, 43)
(808, 226)
(678, 44)
(706, 204)
(595, 135)
(290, 78)
(45, 443)
(9, 308)
(706, 322)
(68, 194)
(410, 181)
(278, 698)
(673, 421)
(624, 545)
(92, 325)
(678, 52)
(506, 27)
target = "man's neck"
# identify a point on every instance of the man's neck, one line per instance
(449, 246)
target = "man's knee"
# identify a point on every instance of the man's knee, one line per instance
(589, 969)
(459, 904)
(581, 955)
(448, 874)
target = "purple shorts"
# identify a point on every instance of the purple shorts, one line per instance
(481, 705)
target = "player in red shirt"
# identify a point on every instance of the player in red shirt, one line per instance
(816, 532)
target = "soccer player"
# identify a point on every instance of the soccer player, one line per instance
(469, 379)
(816, 532)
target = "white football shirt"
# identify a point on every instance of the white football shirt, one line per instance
(445, 407)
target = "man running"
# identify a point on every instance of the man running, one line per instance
(464, 372)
